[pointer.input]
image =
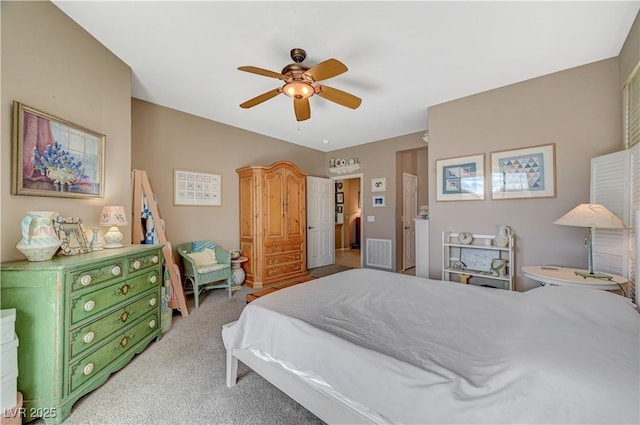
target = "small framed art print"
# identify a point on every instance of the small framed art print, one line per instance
(524, 173)
(378, 201)
(460, 179)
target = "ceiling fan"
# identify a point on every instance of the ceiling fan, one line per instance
(301, 83)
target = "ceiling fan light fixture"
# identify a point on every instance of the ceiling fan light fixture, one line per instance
(298, 90)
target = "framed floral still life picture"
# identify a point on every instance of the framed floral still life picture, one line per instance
(53, 157)
(71, 232)
(460, 179)
(524, 173)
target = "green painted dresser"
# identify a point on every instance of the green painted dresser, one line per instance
(79, 319)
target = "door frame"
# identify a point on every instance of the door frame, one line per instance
(362, 208)
(408, 219)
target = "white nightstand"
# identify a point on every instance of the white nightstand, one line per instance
(565, 276)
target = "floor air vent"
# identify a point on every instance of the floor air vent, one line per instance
(379, 253)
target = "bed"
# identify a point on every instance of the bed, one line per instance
(368, 346)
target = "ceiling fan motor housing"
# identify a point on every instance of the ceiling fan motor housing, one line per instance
(298, 54)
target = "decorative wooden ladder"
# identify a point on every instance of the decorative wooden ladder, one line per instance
(142, 187)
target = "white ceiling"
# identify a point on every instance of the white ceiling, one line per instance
(402, 56)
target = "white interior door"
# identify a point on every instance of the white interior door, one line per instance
(320, 222)
(409, 211)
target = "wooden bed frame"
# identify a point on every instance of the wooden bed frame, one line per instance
(321, 404)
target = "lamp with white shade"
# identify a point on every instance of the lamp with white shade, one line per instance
(591, 216)
(115, 217)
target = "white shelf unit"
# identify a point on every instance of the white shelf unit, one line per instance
(422, 247)
(478, 254)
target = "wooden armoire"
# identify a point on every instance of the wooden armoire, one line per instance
(272, 223)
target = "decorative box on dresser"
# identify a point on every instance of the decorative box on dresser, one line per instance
(272, 223)
(79, 319)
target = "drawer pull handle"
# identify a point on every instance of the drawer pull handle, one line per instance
(85, 280)
(124, 341)
(124, 316)
(136, 264)
(125, 289)
(88, 337)
(88, 369)
(89, 305)
(153, 279)
(116, 270)
(155, 259)
(152, 302)
(152, 323)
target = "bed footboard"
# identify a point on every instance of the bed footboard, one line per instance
(232, 369)
(327, 408)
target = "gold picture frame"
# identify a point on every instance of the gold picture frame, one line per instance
(54, 157)
(71, 232)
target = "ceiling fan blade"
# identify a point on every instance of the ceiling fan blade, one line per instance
(260, 71)
(338, 96)
(302, 108)
(259, 99)
(327, 69)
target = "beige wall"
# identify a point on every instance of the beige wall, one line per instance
(164, 139)
(378, 159)
(630, 52)
(577, 109)
(52, 65)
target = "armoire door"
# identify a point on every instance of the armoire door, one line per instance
(295, 206)
(274, 206)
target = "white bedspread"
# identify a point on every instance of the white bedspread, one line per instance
(420, 351)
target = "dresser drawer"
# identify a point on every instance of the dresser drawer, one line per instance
(83, 370)
(142, 262)
(83, 278)
(94, 333)
(94, 302)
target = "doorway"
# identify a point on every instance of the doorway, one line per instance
(348, 222)
(412, 192)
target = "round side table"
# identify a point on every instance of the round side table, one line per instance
(237, 272)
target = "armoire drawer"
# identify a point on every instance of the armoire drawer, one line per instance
(83, 370)
(283, 269)
(283, 258)
(94, 302)
(94, 333)
(84, 278)
(280, 247)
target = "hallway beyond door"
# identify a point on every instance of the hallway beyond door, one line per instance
(348, 257)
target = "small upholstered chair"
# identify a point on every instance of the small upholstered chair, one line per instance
(206, 266)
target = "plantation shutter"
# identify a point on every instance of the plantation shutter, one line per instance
(634, 163)
(632, 124)
(610, 186)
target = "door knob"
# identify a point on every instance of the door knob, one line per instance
(311, 227)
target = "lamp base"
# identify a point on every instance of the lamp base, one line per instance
(594, 275)
(113, 238)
